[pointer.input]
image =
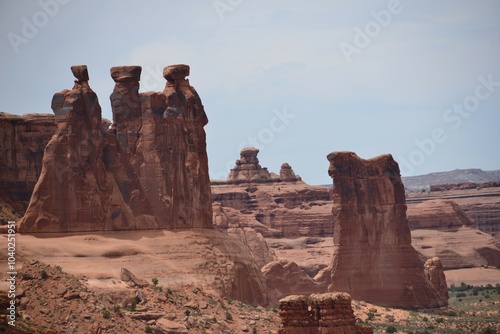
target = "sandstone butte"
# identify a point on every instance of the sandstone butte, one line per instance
(149, 170)
(373, 258)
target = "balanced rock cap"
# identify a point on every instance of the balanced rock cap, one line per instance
(176, 72)
(80, 72)
(126, 73)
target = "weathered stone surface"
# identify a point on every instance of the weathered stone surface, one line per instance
(80, 72)
(256, 243)
(437, 214)
(287, 174)
(460, 247)
(275, 207)
(373, 257)
(165, 326)
(248, 169)
(284, 278)
(433, 269)
(479, 201)
(22, 142)
(127, 276)
(441, 228)
(149, 171)
(329, 313)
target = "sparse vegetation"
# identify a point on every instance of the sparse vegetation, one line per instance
(43, 274)
(148, 329)
(106, 314)
(229, 317)
(391, 329)
(154, 280)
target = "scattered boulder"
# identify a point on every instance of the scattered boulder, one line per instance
(433, 269)
(165, 326)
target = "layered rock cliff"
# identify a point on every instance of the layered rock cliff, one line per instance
(22, 142)
(148, 171)
(278, 206)
(479, 201)
(441, 228)
(373, 257)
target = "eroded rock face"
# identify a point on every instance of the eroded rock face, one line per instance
(256, 243)
(373, 257)
(479, 201)
(329, 313)
(149, 171)
(433, 269)
(248, 169)
(437, 214)
(22, 142)
(275, 206)
(285, 278)
(441, 228)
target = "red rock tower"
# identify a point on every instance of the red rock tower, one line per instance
(373, 257)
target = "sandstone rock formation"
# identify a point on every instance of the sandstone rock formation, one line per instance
(149, 171)
(257, 244)
(433, 269)
(329, 313)
(437, 214)
(285, 278)
(462, 247)
(480, 201)
(287, 174)
(373, 257)
(248, 169)
(22, 142)
(277, 206)
(441, 228)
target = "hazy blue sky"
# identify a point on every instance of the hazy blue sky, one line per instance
(297, 79)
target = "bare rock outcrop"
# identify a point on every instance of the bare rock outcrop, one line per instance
(433, 269)
(248, 169)
(287, 174)
(479, 201)
(437, 214)
(275, 206)
(329, 313)
(441, 228)
(257, 244)
(373, 257)
(285, 278)
(22, 142)
(149, 171)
